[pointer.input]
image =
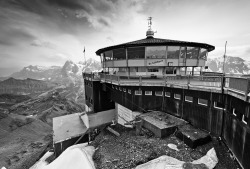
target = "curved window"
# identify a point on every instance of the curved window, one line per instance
(183, 52)
(203, 54)
(136, 53)
(108, 55)
(192, 52)
(119, 54)
(156, 52)
(173, 52)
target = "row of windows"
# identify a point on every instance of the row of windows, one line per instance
(168, 94)
(156, 52)
(177, 96)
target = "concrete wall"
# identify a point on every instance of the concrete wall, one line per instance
(124, 114)
(100, 118)
(136, 62)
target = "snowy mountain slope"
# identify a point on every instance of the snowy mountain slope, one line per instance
(70, 72)
(233, 65)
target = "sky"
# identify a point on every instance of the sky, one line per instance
(50, 32)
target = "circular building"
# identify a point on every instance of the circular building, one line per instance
(154, 56)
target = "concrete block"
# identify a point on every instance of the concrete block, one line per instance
(192, 137)
(160, 123)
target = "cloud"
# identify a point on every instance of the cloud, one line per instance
(45, 44)
(11, 35)
(242, 51)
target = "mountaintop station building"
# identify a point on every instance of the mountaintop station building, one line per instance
(166, 75)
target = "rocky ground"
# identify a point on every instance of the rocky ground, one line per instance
(26, 127)
(22, 140)
(129, 150)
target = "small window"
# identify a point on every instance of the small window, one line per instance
(202, 102)
(159, 93)
(234, 112)
(244, 119)
(177, 96)
(219, 105)
(138, 92)
(129, 91)
(116, 88)
(124, 90)
(167, 94)
(120, 88)
(188, 99)
(148, 92)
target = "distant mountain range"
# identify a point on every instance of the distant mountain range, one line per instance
(233, 65)
(34, 80)
(70, 72)
(25, 87)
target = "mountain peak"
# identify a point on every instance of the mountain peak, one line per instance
(233, 65)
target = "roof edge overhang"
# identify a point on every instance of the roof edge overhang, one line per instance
(167, 42)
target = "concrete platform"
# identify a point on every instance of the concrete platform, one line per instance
(191, 136)
(160, 123)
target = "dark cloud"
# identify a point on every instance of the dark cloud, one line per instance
(5, 42)
(103, 21)
(11, 35)
(71, 4)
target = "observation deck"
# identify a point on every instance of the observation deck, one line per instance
(235, 86)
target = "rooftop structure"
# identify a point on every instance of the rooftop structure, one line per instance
(154, 56)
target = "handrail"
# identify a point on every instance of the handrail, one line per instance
(241, 84)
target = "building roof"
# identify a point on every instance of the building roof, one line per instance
(156, 42)
(68, 126)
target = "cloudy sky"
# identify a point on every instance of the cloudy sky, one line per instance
(49, 32)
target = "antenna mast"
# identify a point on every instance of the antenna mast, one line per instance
(150, 32)
(224, 58)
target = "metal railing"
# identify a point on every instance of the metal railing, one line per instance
(238, 84)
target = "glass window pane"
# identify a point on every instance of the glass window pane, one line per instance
(203, 54)
(138, 92)
(155, 52)
(202, 102)
(153, 70)
(173, 52)
(119, 54)
(133, 69)
(192, 53)
(136, 53)
(183, 52)
(188, 98)
(141, 69)
(169, 70)
(177, 96)
(108, 55)
(167, 94)
(158, 93)
(148, 92)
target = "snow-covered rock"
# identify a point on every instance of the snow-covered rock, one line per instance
(233, 65)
